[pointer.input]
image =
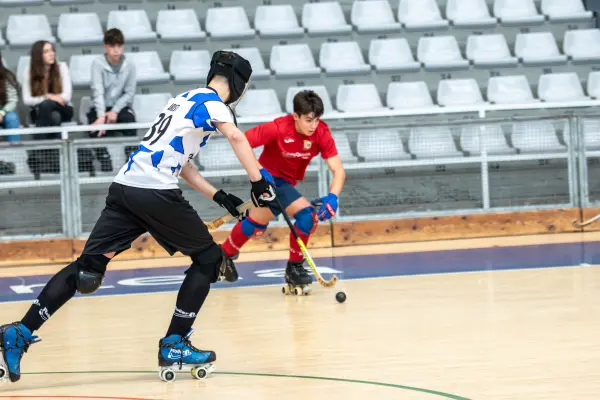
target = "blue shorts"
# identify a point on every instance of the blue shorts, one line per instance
(287, 194)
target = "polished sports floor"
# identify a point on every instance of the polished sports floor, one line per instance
(506, 318)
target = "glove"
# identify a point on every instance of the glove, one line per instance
(328, 206)
(262, 193)
(268, 177)
(228, 201)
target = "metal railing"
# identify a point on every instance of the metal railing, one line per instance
(439, 165)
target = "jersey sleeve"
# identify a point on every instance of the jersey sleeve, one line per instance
(328, 147)
(262, 134)
(211, 111)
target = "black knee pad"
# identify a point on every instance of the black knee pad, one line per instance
(89, 272)
(209, 261)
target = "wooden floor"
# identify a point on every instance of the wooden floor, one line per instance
(514, 334)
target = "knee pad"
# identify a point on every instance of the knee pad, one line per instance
(252, 229)
(306, 220)
(209, 262)
(89, 272)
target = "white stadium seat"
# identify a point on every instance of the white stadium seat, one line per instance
(318, 89)
(277, 21)
(538, 48)
(392, 54)
(490, 50)
(360, 97)
(342, 58)
(536, 136)
(476, 138)
(259, 102)
(517, 12)
(22, 65)
(373, 16)
(440, 52)
(560, 87)
(252, 54)
(147, 106)
(324, 18)
(228, 23)
(420, 14)
(458, 92)
(24, 30)
(80, 69)
(293, 60)
(190, 65)
(402, 95)
(21, 3)
(593, 84)
(343, 146)
(469, 13)
(186, 21)
(80, 29)
(509, 89)
(380, 145)
(432, 142)
(582, 45)
(561, 10)
(148, 67)
(134, 24)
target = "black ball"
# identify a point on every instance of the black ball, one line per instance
(340, 297)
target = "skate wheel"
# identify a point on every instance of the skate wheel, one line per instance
(167, 375)
(199, 372)
(298, 291)
(307, 290)
(2, 373)
(285, 290)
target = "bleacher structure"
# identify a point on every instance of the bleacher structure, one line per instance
(436, 105)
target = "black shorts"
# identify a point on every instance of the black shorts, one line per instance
(165, 214)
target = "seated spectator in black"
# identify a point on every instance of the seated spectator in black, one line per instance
(113, 88)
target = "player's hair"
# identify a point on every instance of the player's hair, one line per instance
(6, 77)
(307, 102)
(39, 82)
(114, 37)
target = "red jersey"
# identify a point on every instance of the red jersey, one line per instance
(287, 153)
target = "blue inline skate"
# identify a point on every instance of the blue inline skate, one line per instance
(176, 353)
(15, 340)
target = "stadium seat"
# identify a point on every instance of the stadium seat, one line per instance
(342, 58)
(186, 21)
(420, 15)
(474, 140)
(85, 105)
(392, 54)
(252, 54)
(148, 67)
(593, 84)
(277, 21)
(80, 29)
(432, 142)
(538, 48)
(563, 10)
(373, 16)
(147, 106)
(358, 98)
(560, 87)
(517, 12)
(134, 24)
(535, 136)
(319, 90)
(401, 95)
(343, 146)
(591, 132)
(440, 52)
(293, 60)
(189, 66)
(489, 51)
(80, 69)
(24, 30)
(20, 3)
(228, 23)
(464, 13)
(582, 45)
(324, 18)
(510, 89)
(458, 92)
(22, 65)
(259, 102)
(380, 145)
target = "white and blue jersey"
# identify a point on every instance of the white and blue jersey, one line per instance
(175, 137)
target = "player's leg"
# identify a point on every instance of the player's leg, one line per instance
(254, 225)
(114, 232)
(305, 224)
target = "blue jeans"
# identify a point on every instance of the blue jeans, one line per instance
(11, 121)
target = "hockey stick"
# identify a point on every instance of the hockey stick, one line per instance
(586, 223)
(225, 218)
(327, 283)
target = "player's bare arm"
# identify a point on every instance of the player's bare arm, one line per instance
(192, 176)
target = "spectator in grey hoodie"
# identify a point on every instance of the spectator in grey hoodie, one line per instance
(113, 88)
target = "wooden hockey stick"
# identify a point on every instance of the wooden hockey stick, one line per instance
(225, 218)
(586, 223)
(327, 283)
